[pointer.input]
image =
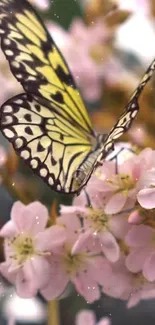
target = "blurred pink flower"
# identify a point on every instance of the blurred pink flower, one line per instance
(11, 321)
(136, 6)
(3, 156)
(85, 317)
(27, 244)
(138, 134)
(85, 268)
(9, 85)
(87, 43)
(142, 256)
(41, 4)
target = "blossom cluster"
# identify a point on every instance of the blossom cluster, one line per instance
(103, 243)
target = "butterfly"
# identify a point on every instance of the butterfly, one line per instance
(48, 125)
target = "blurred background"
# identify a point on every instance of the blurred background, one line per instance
(108, 46)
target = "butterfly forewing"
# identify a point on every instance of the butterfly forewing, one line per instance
(37, 63)
(125, 120)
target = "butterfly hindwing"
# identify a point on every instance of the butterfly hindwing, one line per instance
(36, 61)
(51, 146)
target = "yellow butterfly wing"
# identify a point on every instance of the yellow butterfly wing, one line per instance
(37, 63)
(53, 147)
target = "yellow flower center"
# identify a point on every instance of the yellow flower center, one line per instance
(23, 248)
(74, 262)
(122, 182)
(138, 279)
(98, 219)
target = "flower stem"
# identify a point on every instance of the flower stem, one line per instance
(53, 313)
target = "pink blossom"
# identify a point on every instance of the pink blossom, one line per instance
(142, 255)
(85, 268)
(128, 286)
(119, 284)
(141, 290)
(86, 42)
(101, 226)
(115, 189)
(85, 317)
(27, 244)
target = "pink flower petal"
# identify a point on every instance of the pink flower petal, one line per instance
(115, 204)
(139, 236)
(80, 200)
(134, 299)
(109, 246)
(50, 238)
(146, 198)
(118, 285)
(85, 317)
(148, 291)
(8, 230)
(136, 259)
(118, 225)
(149, 268)
(41, 269)
(72, 226)
(82, 241)
(58, 280)
(147, 179)
(86, 286)
(31, 218)
(135, 218)
(99, 269)
(25, 287)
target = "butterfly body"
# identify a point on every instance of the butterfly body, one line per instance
(48, 125)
